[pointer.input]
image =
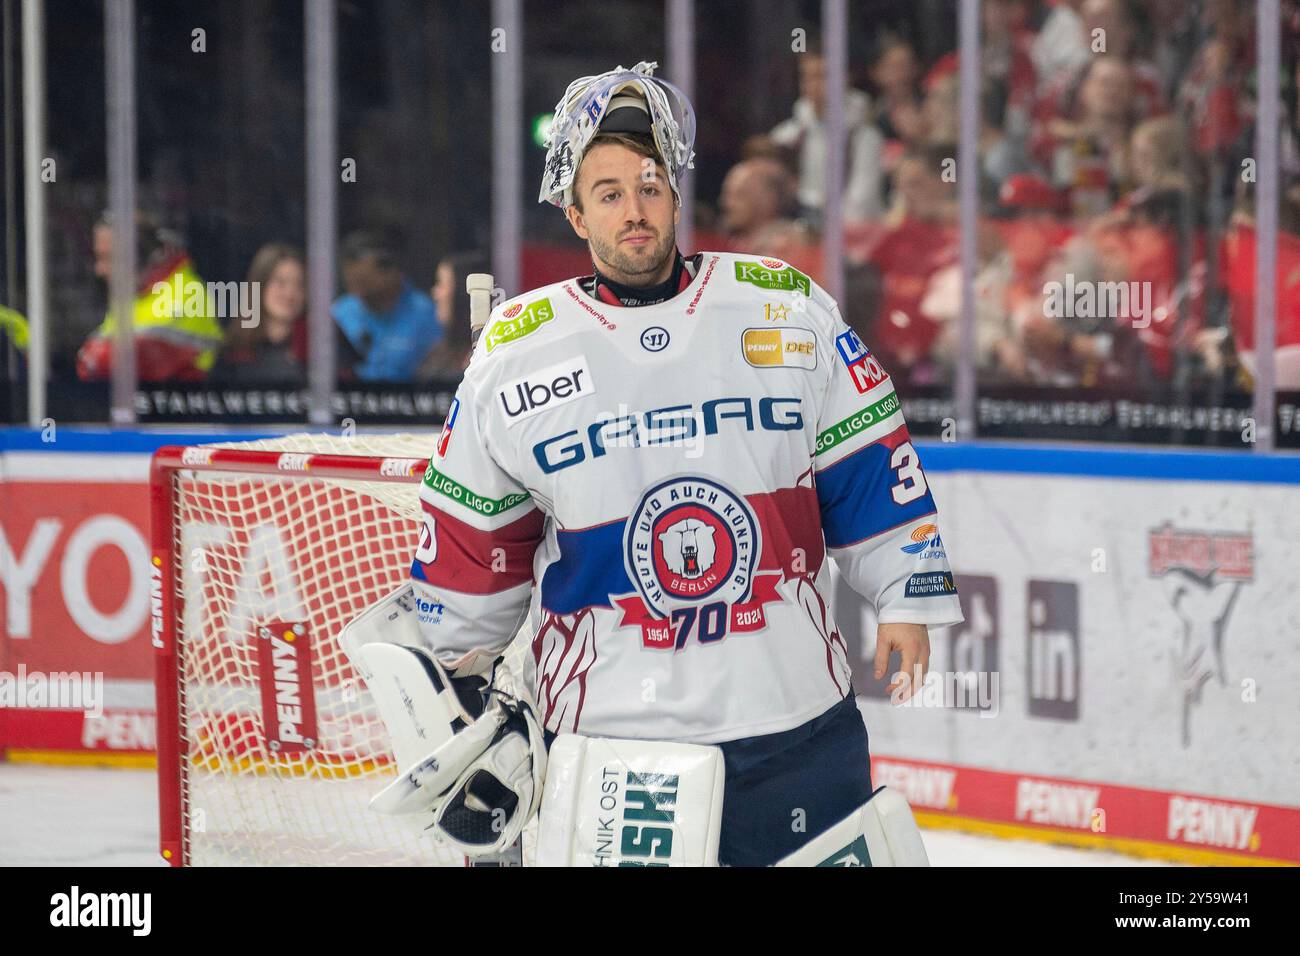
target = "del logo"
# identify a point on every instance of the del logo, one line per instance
(519, 321)
(926, 543)
(445, 438)
(777, 275)
(863, 367)
(691, 548)
(549, 388)
(766, 348)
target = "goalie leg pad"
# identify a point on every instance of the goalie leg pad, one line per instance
(882, 832)
(613, 802)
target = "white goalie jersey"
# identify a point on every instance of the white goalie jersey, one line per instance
(660, 488)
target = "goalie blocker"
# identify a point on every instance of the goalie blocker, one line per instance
(472, 761)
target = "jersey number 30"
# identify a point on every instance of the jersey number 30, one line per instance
(911, 480)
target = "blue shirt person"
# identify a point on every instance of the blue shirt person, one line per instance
(391, 324)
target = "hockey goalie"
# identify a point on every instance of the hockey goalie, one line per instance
(653, 466)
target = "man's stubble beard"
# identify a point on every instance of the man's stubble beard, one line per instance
(634, 270)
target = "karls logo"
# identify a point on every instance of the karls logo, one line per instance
(445, 438)
(519, 321)
(774, 276)
(76, 909)
(766, 348)
(284, 672)
(1202, 574)
(671, 425)
(865, 371)
(654, 339)
(548, 388)
(400, 467)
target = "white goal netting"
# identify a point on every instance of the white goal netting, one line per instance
(253, 549)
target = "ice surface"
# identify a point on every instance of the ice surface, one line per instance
(77, 816)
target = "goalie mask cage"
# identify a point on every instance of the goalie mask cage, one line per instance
(269, 744)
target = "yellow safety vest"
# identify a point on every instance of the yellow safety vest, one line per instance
(161, 313)
(14, 325)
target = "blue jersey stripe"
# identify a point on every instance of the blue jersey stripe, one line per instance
(588, 570)
(855, 499)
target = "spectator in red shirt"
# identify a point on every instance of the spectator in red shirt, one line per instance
(908, 256)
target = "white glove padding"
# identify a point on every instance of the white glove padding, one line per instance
(482, 783)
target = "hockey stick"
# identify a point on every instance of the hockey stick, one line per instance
(479, 285)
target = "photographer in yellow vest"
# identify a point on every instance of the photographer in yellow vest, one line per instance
(177, 334)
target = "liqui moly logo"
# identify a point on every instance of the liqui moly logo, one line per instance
(864, 369)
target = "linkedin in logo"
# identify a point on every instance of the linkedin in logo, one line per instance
(654, 339)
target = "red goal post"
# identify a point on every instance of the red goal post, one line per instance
(269, 745)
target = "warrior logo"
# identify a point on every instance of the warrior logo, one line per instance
(691, 540)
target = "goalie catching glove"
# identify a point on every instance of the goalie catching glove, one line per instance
(471, 757)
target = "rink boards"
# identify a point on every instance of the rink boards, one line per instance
(1124, 677)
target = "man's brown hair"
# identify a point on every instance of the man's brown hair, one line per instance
(639, 143)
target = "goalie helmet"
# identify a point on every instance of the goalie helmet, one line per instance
(610, 100)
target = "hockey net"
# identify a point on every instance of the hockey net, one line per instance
(269, 750)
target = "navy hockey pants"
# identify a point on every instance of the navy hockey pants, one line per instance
(784, 789)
